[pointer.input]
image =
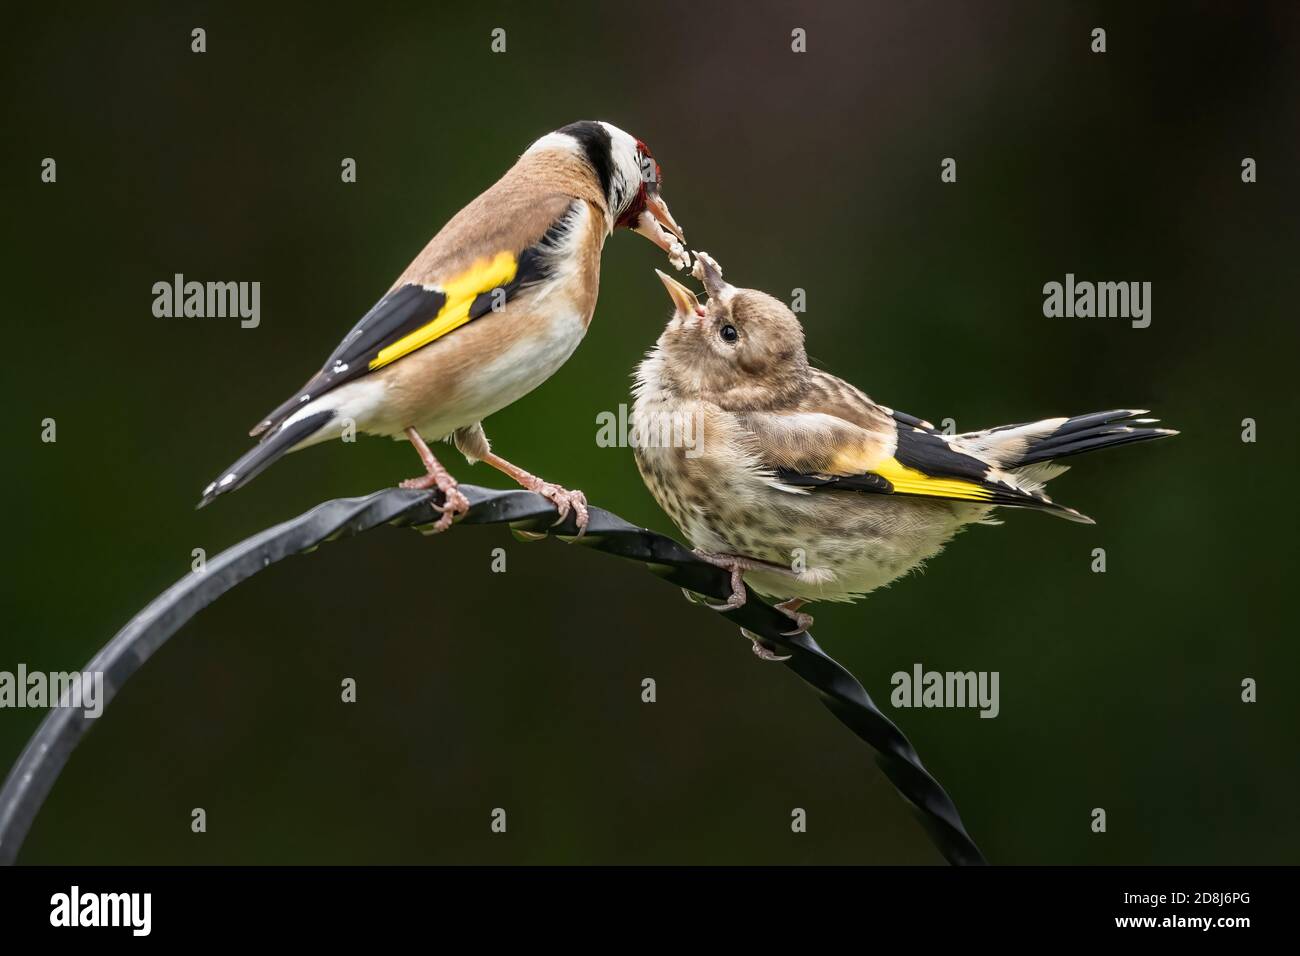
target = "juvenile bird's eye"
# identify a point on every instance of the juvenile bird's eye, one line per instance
(729, 333)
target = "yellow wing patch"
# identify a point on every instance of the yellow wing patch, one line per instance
(909, 481)
(482, 276)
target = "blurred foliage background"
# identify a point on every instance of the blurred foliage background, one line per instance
(522, 690)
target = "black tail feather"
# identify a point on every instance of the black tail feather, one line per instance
(1089, 432)
(262, 455)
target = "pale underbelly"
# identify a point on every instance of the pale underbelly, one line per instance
(477, 370)
(507, 378)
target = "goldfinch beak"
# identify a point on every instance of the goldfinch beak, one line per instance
(659, 209)
(653, 222)
(683, 298)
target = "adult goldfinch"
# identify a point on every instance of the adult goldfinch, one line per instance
(798, 483)
(491, 308)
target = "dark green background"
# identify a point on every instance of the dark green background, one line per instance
(522, 690)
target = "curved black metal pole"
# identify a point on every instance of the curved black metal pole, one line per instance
(41, 762)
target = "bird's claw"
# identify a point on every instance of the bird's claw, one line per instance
(802, 622)
(737, 597)
(738, 592)
(564, 501)
(736, 567)
(454, 503)
(730, 604)
(765, 653)
(761, 650)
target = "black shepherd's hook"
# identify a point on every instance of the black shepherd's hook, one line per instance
(38, 767)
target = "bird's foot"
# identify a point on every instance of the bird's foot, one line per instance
(737, 567)
(791, 610)
(454, 502)
(761, 650)
(563, 499)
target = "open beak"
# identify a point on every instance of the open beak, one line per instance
(656, 206)
(656, 223)
(683, 298)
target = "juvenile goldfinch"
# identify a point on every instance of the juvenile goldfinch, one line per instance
(491, 308)
(799, 484)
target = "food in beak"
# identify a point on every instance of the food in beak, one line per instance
(684, 300)
(659, 209)
(707, 270)
(656, 223)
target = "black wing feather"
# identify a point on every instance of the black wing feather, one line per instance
(406, 309)
(398, 313)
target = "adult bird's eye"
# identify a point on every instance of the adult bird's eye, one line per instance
(729, 333)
